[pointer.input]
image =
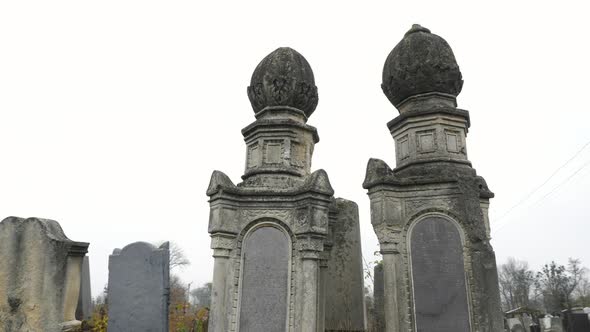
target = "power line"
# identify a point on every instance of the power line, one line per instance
(525, 198)
(551, 192)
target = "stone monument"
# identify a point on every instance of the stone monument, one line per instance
(39, 276)
(271, 234)
(139, 282)
(430, 213)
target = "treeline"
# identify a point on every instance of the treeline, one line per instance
(552, 289)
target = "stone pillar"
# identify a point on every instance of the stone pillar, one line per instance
(309, 313)
(322, 291)
(390, 288)
(378, 299)
(221, 245)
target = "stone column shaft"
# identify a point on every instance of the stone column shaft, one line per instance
(310, 294)
(392, 319)
(72, 287)
(218, 316)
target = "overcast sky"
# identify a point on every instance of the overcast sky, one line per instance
(113, 114)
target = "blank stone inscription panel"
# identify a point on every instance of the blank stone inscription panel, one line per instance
(440, 296)
(263, 305)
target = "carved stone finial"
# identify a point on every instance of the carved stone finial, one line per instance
(420, 63)
(283, 78)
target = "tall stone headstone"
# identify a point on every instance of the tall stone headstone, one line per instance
(84, 308)
(378, 299)
(139, 282)
(430, 213)
(345, 304)
(39, 276)
(271, 234)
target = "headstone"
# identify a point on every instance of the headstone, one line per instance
(378, 299)
(138, 288)
(438, 272)
(84, 309)
(39, 276)
(276, 224)
(551, 324)
(263, 306)
(430, 213)
(345, 298)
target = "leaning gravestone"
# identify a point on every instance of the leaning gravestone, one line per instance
(551, 324)
(39, 276)
(139, 282)
(345, 296)
(84, 309)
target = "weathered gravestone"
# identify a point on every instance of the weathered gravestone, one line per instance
(84, 309)
(430, 213)
(551, 324)
(345, 304)
(139, 282)
(271, 233)
(378, 299)
(39, 276)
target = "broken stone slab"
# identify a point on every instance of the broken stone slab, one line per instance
(39, 277)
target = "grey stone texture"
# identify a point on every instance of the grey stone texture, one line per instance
(440, 294)
(39, 276)
(378, 299)
(84, 308)
(345, 305)
(138, 290)
(277, 222)
(433, 179)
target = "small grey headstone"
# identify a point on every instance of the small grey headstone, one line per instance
(265, 281)
(438, 272)
(139, 282)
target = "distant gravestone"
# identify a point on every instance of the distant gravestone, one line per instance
(438, 272)
(551, 324)
(39, 276)
(345, 291)
(138, 288)
(84, 309)
(379, 299)
(264, 295)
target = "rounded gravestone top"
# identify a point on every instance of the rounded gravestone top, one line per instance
(283, 78)
(421, 62)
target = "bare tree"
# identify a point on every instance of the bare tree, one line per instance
(177, 257)
(516, 284)
(558, 283)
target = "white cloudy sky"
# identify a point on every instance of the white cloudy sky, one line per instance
(113, 114)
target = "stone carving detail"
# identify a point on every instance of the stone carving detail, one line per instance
(426, 141)
(422, 62)
(249, 215)
(283, 78)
